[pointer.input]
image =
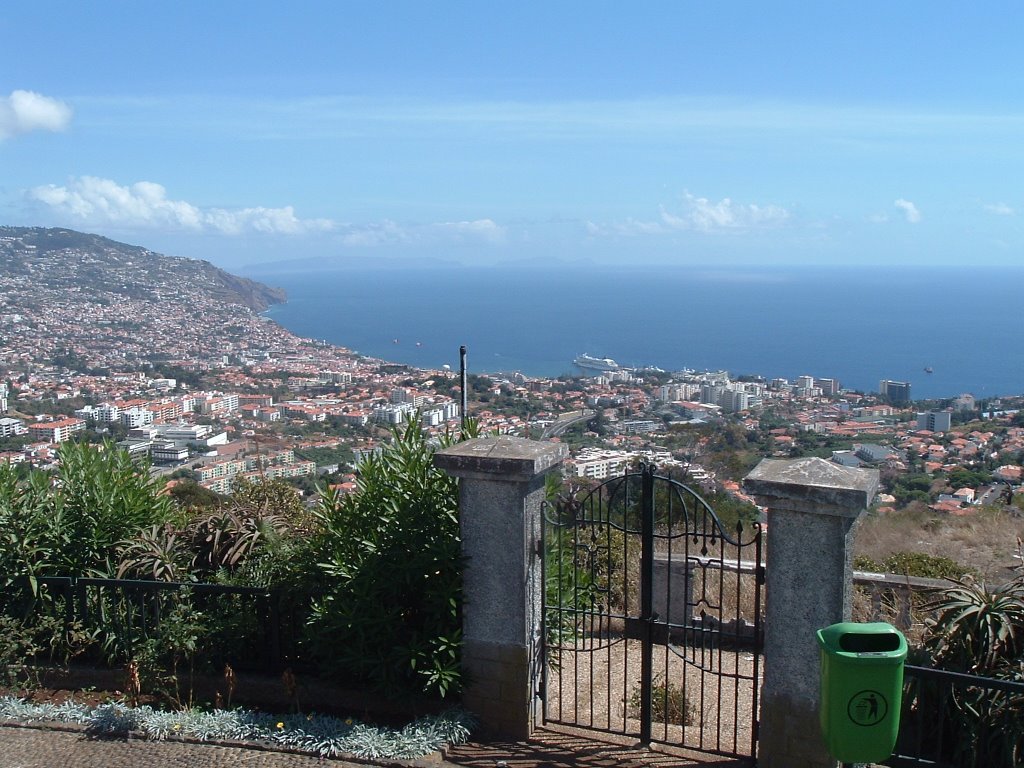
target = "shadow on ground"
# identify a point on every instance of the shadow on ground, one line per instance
(551, 748)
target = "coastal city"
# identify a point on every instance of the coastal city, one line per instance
(201, 385)
(511, 385)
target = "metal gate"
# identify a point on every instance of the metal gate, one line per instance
(652, 616)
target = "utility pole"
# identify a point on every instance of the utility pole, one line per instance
(462, 383)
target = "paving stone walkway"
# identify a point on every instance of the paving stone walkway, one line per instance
(46, 748)
(68, 747)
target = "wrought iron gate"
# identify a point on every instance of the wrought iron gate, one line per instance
(652, 616)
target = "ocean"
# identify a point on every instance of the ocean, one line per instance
(856, 325)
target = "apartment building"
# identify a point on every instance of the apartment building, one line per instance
(12, 428)
(55, 431)
(935, 421)
(213, 405)
(600, 464)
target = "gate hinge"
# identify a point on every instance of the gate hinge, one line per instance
(538, 547)
(760, 574)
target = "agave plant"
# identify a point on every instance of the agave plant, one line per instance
(980, 631)
(225, 538)
(158, 552)
(977, 629)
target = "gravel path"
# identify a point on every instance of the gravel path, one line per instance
(594, 687)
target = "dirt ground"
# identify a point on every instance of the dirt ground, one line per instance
(597, 687)
(984, 540)
(267, 693)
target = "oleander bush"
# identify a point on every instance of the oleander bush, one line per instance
(370, 582)
(390, 611)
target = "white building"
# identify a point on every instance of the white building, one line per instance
(335, 377)
(12, 428)
(217, 404)
(393, 414)
(106, 413)
(136, 417)
(600, 464)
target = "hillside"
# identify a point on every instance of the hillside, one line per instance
(57, 258)
(70, 296)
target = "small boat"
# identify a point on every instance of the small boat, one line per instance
(394, 341)
(927, 369)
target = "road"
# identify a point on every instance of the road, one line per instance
(565, 421)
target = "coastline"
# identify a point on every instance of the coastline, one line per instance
(880, 326)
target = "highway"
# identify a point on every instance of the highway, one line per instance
(565, 421)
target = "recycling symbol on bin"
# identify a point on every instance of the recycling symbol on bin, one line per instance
(867, 708)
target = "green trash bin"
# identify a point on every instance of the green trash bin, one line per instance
(861, 689)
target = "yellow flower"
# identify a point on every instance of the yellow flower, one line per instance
(177, 726)
(280, 726)
(348, 721)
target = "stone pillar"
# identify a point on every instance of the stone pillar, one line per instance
(813, 507)
(672, 590)
(501, 486)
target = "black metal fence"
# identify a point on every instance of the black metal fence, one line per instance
(250, 627)
(955, 720)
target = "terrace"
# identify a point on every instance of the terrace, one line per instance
(813, 507)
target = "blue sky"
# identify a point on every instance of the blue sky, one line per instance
(587, 133)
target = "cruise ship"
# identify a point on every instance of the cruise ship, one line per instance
(596, 363)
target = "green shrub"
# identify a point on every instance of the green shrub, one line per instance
(921, 565)
(668, 704)
(70, 523)
(390, 552)
(915, 564)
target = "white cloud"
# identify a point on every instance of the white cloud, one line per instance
(1000, 209)
(910, 210)
(384, 232)
(145, 205)
(700, 214)
(25, 111)
(628, 228)
(388, 232)
(484, 229)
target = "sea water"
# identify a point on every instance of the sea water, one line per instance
(855, 325)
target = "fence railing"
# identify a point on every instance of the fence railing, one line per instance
(899, 600)
(955, 720)
(254, 626)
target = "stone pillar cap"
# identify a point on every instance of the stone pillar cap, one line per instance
(812, 480)
(512, 458)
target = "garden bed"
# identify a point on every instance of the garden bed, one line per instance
(322, 719)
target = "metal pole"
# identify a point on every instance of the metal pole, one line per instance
(647, 602)
(462, 383)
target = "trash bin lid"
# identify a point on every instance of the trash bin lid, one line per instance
(864, 641)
